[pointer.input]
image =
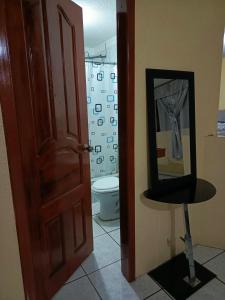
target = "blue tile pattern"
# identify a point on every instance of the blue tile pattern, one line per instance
(102, 105)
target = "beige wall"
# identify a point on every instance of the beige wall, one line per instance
(180, 35)
(222, 87)
(175, 34)
(208, 219)
(11, 285)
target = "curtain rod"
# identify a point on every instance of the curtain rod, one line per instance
(164, 83)
(94, 57)
(171, 95)
(100, 63)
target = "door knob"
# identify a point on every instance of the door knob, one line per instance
(86, 147)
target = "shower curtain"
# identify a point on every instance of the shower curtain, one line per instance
(102, 101)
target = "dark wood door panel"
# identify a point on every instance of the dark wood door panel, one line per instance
(54, 244)
(64, 238)
(68, 51)
(60, 188)
(43, 111)
(52, 208)
(63, 52)
(61, 231)
(78, 225)
(30, 126)
(60, 172)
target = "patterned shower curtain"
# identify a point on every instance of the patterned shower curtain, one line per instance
(102, 103)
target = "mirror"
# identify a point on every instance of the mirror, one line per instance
(172, 127)
(170, 99)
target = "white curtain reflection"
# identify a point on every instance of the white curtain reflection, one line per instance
(171, 99)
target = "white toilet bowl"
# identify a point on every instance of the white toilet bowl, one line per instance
(106, 191)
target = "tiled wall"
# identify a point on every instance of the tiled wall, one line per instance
(103, 113)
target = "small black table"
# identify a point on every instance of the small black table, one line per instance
(182, 276)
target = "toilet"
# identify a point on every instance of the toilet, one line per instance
(106, 191)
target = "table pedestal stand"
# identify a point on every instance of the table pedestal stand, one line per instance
(191, 279)
(181, 276)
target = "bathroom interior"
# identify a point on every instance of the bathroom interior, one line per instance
(102, 107)
(99, 21)
(101, 84)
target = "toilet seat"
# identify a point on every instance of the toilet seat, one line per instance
(107, 184)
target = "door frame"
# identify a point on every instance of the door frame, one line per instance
(126, 82)
(14, 85)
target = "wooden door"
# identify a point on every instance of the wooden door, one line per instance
(59, 176)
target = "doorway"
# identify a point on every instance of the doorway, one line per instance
(22, 167)
(102, 107)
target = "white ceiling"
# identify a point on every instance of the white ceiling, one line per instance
(99, 20)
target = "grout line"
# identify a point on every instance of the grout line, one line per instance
(98, 235)
(171, 297)
(93, 220)
(72, 281)
(220, 280)
(66, 283)
(112, 230)
(105, 229)
(93, 273)
(152, 294)
(103, 267)
(213, 257)
(107, 232)
(85, 274)
(156, 282)
(161, 288)
(83, 269)
(209, 247)
(114, 240)
(94, 288)
(118, 228)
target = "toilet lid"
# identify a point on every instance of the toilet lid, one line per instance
(107, 183)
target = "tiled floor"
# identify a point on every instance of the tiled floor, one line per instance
(99, 277)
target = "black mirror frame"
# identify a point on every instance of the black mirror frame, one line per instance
(157, 186)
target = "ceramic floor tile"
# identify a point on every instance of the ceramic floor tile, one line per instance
(95, 208)
(108, 225)
(80, 289)
(111, 285)
(77, 274)
(97, 229)
(144, 286)
(161, 295)
(115, 235)
(106, 251)
(217, 266)
(202, 254)
(214, 290)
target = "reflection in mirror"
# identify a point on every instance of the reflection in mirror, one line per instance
(171, 98)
